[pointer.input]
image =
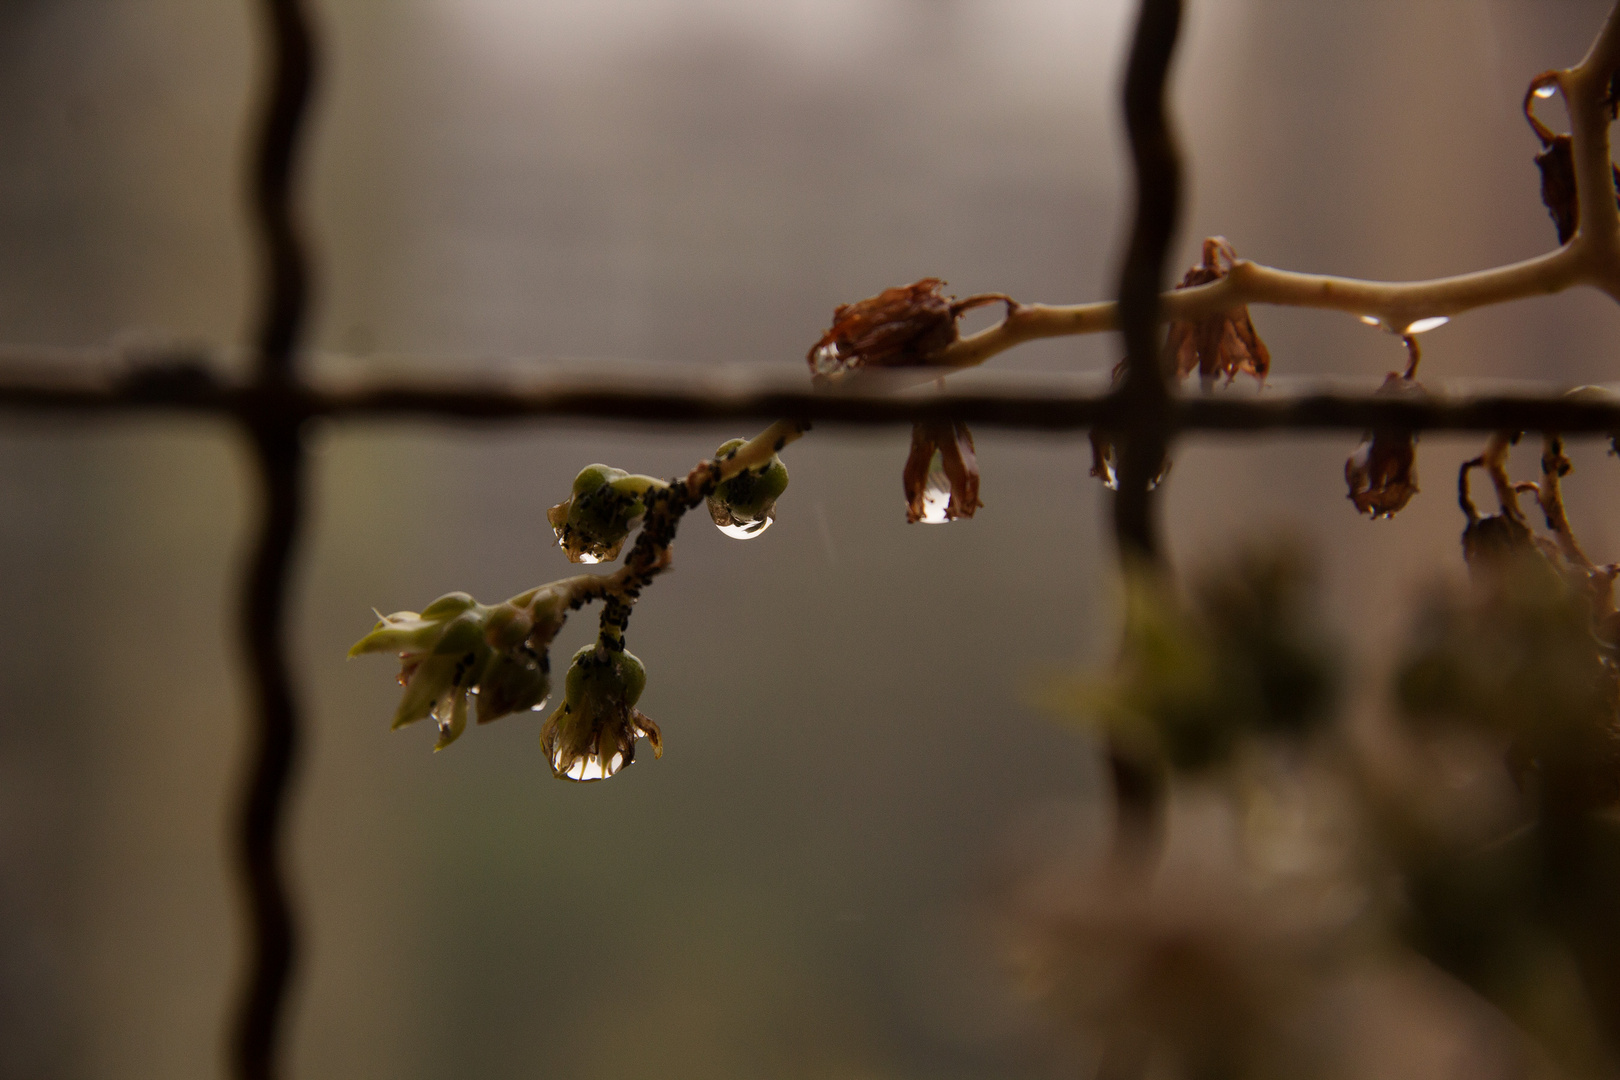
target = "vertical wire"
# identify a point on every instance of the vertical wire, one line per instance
(1144, 432)
(272, 424)
(1145, 392)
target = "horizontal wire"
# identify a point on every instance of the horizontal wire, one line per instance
(185, 386)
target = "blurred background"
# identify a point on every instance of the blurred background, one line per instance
(800, 888)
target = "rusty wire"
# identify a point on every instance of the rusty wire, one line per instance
(54, 383)
(272, 421)
(274, 405)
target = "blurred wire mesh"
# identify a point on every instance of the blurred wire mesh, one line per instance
(804, 885)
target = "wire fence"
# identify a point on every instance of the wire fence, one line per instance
(1143, 413)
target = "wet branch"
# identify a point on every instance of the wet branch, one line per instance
(1591, 257)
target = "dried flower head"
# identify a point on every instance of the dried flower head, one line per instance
(593, 733)
(1223, 344)
(1556, 163)
(1382, 472)
(941, 476)
(1492, 541)
(904, 326)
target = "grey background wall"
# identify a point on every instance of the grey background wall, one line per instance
(803, 886)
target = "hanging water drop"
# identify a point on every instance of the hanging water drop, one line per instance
(936, 493)
(1425, 325)
(826, 360)
(1545, 92)
(590, 767)
(744, 506)
(740, 529)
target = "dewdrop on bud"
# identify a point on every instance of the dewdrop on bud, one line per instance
(745, 506)
(605, 506)
(593, 733)
(442, 656)
(457, 648)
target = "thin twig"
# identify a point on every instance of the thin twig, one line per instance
(1550, 496)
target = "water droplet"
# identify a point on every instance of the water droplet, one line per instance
(746, 530)
(1547, 91)
(1372, 320)
(1110, 477)
(936, 495)
(590, 767)
(588, 558)
(1425, 325)
(826, 360)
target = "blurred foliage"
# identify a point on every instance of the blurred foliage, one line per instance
(1315, 867)
(1195, 679)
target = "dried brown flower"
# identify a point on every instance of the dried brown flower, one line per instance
(1557, 162)
(1382, 473)
(1224, 343)
(905, 326)
(941, 475)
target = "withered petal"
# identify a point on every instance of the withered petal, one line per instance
(900, 326)
(1382, 472)
(962, 469)
(1557, 164)
(1223, 344)
(954, 445)
(914, 475)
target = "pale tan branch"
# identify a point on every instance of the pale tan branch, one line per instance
(1550, 496)
(1592, 256)
(1395, 304)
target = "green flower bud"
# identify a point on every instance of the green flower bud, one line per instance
(513, 682)
(593, 733)
(744, 506)
(605, 506)
(508, 626)
(442, 654)
(458, 647)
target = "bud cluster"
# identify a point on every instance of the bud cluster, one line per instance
(456, 648)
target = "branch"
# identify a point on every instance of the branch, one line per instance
(1591, 257)
(650, 555)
